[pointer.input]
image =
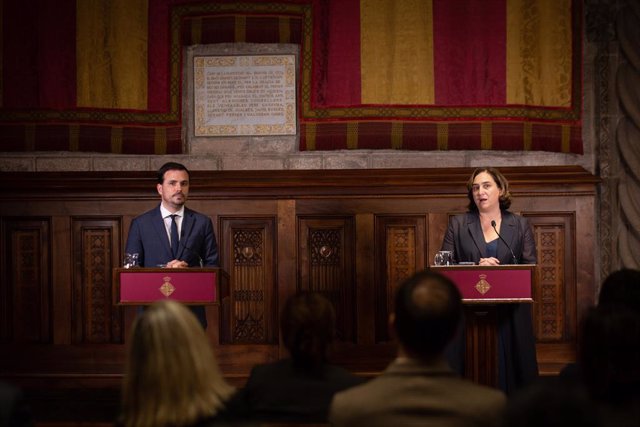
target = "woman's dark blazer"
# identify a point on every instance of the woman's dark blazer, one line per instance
(465, 238)
(517, 359)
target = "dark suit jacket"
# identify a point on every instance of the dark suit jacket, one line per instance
(465, 238)
(281, 392)
(517, 353)
(410, 393)
(148, 238)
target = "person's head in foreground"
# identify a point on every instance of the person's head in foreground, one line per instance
(428, 309)
(172, 377)
(307, 324)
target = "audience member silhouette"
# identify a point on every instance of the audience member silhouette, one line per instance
(608, 364)
(14, 410)
(551, 403)
(299, 388)
(419, 387)
(620, 289)
(610, 361)
(172, 377)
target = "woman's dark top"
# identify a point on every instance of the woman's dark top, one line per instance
(281, 391)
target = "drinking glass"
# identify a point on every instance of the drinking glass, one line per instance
(130, 260)
(443, 258)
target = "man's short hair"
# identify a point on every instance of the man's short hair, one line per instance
(170, 166)
(428, 309)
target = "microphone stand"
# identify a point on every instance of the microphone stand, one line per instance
(493, 224)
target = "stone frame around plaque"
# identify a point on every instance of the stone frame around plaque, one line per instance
(239, 89)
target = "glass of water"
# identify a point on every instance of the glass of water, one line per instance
(130, 260)
(443, 258)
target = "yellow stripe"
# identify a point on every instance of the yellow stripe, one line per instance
(310, 136)
(486, 136)
(74, 137)
(116, 139)
(566, 139)
(352, 136)
(196, 30)
(240, 29)
(396, 135)
(527, 137)
(160, 141)
(284, 29)
(396, 51)
(111, 52)
(539, 52)
(442, 130)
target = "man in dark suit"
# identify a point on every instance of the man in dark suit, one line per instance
(172, 235)
(418, 387)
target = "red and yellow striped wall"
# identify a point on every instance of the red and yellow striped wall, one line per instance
(105, 75)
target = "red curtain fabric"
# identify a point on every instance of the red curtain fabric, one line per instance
(470, 108)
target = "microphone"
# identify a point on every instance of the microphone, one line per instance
(192, 252)
(493, 224)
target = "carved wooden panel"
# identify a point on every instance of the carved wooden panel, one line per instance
(25, 287)
(96, 251)
(248, 250)
(401, 251)
(554, 311)
(326, 260)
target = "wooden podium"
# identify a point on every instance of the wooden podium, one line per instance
(191, 286)
(483, 289)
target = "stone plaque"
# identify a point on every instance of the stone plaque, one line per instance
(244, 95)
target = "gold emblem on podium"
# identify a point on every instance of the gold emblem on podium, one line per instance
(167, 288)
(483, 286)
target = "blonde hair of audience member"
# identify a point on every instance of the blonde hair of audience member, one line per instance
(172, 377)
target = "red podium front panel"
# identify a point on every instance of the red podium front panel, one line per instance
(491, 284)
(201, 286)
(484, 289)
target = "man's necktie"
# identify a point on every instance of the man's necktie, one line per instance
(174, 236)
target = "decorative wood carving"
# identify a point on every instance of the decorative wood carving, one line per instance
(327, 264)
(250, 246)
(402, 251)
(96, 251)
(25, 289)
(554, 309)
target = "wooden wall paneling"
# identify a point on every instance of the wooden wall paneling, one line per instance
(438, 223)
(588, 279)
(26, 282)
(95, 252)
(248, 256)
(365, 273)
(554, 309)
(61, 269)
(287, 257)
(370, 199)
(327, 265)
(400, 251)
